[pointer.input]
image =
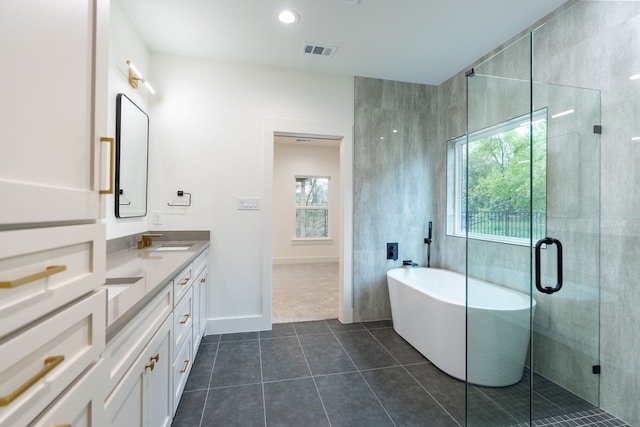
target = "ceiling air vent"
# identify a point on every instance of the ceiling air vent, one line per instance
(316, 49)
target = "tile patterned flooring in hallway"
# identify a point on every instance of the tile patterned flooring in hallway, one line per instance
(324, 373)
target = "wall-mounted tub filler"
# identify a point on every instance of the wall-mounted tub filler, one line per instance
(427, 241)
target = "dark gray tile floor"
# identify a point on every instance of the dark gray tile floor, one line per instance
(324, 373)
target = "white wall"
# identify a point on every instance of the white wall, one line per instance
(124, 44)
(212, 129)
(289, 161)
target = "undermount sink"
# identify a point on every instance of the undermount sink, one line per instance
(117, 285)
(172, 247)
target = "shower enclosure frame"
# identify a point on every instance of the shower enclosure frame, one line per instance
(561, 270)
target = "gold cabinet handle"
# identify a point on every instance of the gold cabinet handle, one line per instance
(49, 271)
(185, 281)
(49, 364)
(186, 319)
(184, 369)
(112, 143)
(152, 362)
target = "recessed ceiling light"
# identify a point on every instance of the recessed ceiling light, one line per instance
(635, 77)
(288, 16)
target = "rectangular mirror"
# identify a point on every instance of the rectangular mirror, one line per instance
(132, 149)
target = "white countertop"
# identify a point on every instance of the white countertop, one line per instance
(147, 271)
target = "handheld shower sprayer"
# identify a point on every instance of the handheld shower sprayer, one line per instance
(427, 241)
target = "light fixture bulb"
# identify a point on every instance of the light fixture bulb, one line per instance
(135, 77)
(146, 83)
(134, 69)
(288, 16)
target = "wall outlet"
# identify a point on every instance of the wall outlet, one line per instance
(392, 251)
(157, 217)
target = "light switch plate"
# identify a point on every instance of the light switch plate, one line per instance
(248, 203)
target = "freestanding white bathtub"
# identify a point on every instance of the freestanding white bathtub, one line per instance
(428, 310)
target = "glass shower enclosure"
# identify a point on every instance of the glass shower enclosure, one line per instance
(530, 211)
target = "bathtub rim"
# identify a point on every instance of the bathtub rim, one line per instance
(394, 273)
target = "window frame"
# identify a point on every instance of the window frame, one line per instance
(456, 162)
(324, 208)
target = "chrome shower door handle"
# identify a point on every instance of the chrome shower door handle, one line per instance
(548, 289)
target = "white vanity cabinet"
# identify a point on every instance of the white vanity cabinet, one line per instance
(53, 113)
(143, 396)
(150, 357)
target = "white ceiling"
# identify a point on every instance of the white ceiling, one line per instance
(420, 41)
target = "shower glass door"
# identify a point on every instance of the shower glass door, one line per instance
(530, 200)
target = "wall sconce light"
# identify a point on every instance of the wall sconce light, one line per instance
(135, 77)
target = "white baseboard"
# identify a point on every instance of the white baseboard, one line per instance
(238, 324)
(306, 260)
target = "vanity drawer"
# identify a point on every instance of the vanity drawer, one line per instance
(38, 364)
(200, 263)
(182, 283)
(82, 405)
(123, 349)
(181, 368)
(183, 319)
(43, 269)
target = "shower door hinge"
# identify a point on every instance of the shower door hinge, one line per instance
(597, 129)
(470, 73)
(596, 369)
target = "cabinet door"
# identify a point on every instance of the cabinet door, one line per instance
(158, 382)
(124, 406)
(143, 398)
(199, 309)
(53, 108)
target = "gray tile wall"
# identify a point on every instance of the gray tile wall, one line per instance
(588, 44)
(393, 179)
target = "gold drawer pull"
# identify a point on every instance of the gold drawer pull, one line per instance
(150, 366)
(50, 271)
(49, 364)
(185, 281)
(186, 319)
(186, 363)
(155, 358)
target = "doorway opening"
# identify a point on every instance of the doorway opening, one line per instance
(306, 224)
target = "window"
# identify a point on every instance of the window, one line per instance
(312, 207)
(500, 182)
